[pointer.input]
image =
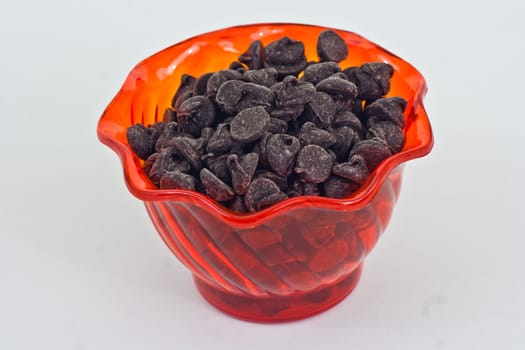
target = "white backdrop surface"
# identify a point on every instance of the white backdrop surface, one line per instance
(81, 266)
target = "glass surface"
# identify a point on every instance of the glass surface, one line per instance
(298, 257)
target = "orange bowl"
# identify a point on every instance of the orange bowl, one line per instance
(295, 258)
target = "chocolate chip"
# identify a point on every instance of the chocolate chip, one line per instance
(322, 109)
(313, 164)
(242, 170)
(148, 163)
(255, 95)
(177, 179)
(142, 140)
(265, 76)
(277, 126)
(300, 188)
(228, 95)
(372, 79)
(296, 189)
(254, 56)
(237, 205)
(312, 135)
(316, 72)
(168, 160)
(292, 92)
(191, 149)
(339, 75)
(331, 47)
(381, 73)
(287, 114)
(219, 166)
(185, 90)
(338, 87)
(196, 113)
(338, 187)
(217, 79)
(206, 134)
(221, 141)
(259, 189)
(201, 85)
(281, 150)
(286, 56)
(390, 133)
(169, 116)
(354, 170)
(388, 108)
(260, 148)
(374, 151)
(250, 124)
(214, 187)
(347, 118)
(311, 189)
(344, 139)
(280, 181)
(168, 133)
(237, 66)
(270, 200)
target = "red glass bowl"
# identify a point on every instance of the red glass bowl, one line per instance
(298, 257)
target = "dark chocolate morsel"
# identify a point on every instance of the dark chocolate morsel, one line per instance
(338, 87)
(316, 72)
(374, 151)
(253, 95)
(168, 160)
(314, 164)
(169, 116)
(277, 126)
(254, 56)
(215, 187)
(168, 133)
(142, 140)
(191, 149)
(331, 47)
(390, 133)
(280, 181)
(322, 109)
(388, 108)
(219, 166)
(292, 92)
(185, 90)
(242, 170)
(196, 113)
(259, 189)
(286, 56)
(201, 85)
(281, 150)
(344, 140)
(270, 200)
(177, 179)
(354, 170)
(237, 205)
(221, 141)
(228, 95)
(250, 124)
(264, 76)
(338, 187)
(312, 135)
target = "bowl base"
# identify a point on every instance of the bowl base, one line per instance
(279, 308)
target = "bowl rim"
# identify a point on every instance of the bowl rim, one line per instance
(355, 201)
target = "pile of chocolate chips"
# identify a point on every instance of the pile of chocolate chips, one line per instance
(274, 126)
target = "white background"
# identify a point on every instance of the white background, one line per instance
(81, 266)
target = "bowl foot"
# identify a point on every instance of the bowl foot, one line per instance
(279, 308)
